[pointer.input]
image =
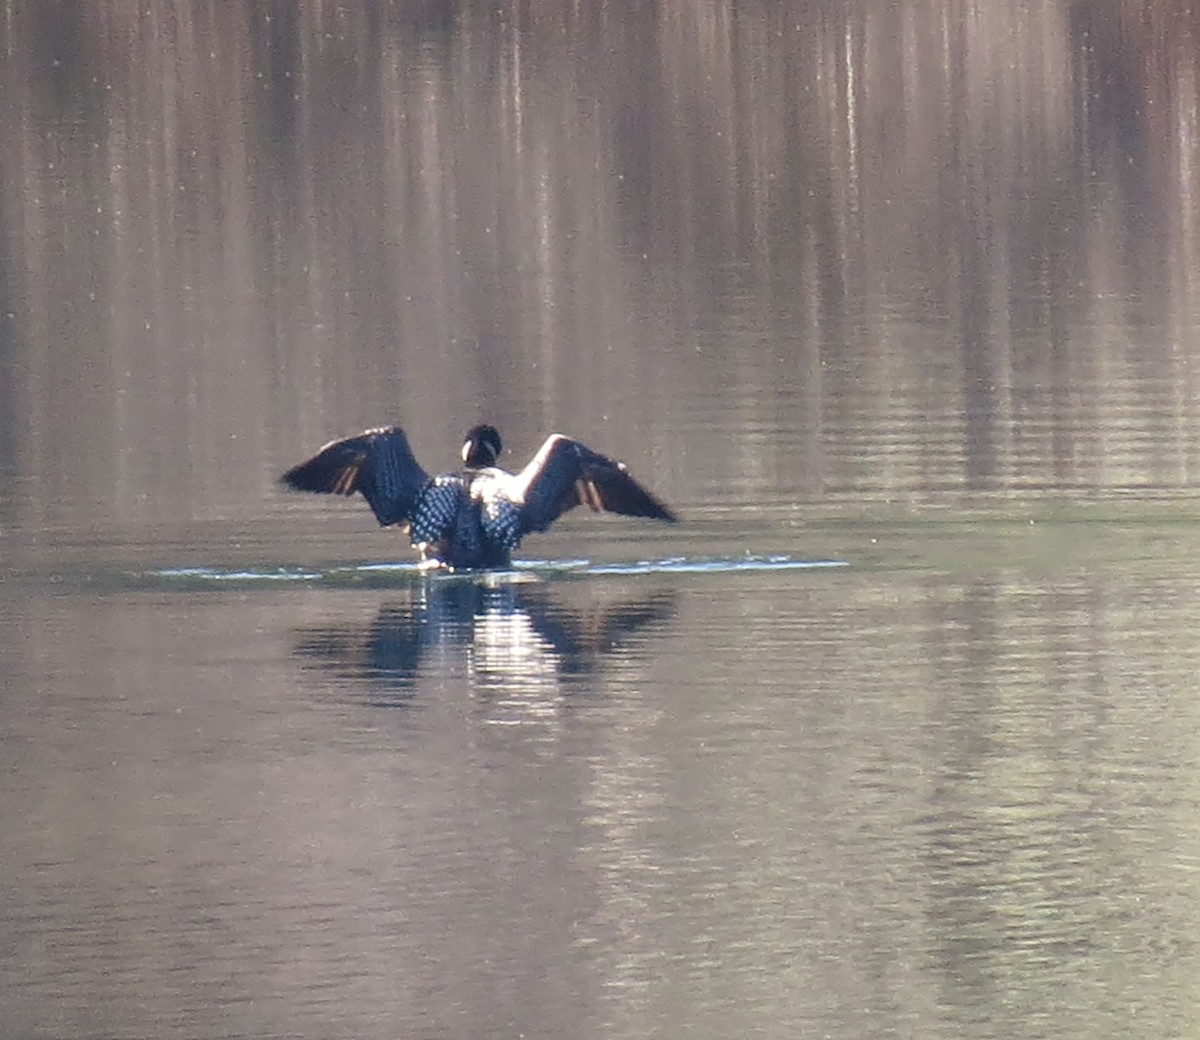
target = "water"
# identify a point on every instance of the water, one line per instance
(895, 735)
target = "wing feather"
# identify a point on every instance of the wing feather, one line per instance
(378, 463)
(564, 474)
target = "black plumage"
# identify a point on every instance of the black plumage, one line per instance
(477, 517)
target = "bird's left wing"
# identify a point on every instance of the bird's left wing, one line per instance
(564, 474)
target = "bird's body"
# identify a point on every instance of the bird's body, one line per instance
(476, 517)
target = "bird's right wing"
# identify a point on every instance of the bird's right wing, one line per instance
(379, 463)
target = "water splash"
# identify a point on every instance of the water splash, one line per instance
(217, 574)
(522, 570)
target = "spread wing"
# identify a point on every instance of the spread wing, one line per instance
(379, 463)
(564, 474)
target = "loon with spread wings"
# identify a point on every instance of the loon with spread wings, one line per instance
(477, 517)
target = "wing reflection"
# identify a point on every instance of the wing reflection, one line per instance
(517, 638)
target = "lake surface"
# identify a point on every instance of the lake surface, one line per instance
(896, 735)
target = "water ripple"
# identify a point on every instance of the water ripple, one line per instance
(522, 570)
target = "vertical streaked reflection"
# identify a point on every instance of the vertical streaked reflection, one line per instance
(791, 253)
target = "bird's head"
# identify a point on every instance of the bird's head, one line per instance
(482, 447)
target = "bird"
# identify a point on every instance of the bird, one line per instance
(474, 518)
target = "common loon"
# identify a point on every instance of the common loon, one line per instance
(477, 517)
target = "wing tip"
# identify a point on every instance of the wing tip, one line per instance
(665, 514)
(616, 491)
(655, 510)
(298, 478)
(322, 475)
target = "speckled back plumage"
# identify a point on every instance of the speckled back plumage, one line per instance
(436, 508)
(464, 520)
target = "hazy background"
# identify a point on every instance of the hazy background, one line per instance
(773, 253)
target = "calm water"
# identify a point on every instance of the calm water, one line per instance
(895, 736)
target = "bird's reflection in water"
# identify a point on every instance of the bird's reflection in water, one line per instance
(516, 641)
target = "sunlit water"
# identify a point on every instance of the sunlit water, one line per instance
(895, 735)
